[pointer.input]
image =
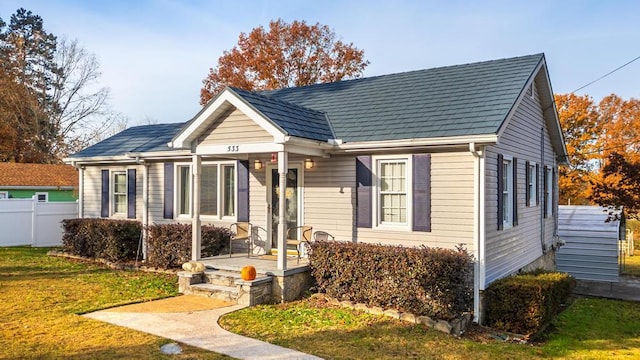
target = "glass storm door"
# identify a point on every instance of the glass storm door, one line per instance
(292, 198)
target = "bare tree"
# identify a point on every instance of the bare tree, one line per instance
(83, 111)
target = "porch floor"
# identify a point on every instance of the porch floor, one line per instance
(263, 265)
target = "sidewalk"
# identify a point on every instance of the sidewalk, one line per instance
(626, 289)
(194, 325)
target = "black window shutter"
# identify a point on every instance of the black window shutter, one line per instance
(500, 191)
(526, 184)
(538, 184)
(545, 191)
(422, 192)
(363, 191)
(104, 210)
(243, 190)
(131, 193)
(168, 190)
(515, 191)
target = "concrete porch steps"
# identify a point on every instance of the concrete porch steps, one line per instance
(220, 292)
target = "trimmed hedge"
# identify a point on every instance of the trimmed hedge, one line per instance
(113, 240)
(169, 245)
(424, 281)
(527, 303)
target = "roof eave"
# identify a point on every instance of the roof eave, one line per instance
(410, 144)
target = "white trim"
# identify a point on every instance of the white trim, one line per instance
(218, 106)
(220, 191)
(376, 221)
(300, 201)
(507, 187)
(548, 192)
(234, 148)
(112, 192)
(489, 139)
(533, 189)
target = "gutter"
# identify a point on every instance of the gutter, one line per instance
(406, 144)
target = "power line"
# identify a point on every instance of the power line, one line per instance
(605, 75)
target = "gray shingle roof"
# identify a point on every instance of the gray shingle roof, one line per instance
(295, 120)
(470, 99)
(145, 138)
(461, 100)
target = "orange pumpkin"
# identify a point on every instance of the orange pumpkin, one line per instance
(248, 273)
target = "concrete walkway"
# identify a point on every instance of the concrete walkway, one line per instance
(626, 289)
(200, 329)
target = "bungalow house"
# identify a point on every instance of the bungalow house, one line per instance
(48, 182)
(463, 154)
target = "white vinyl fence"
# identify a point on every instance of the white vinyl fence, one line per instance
(29, 222)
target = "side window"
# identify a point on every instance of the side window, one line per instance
(507, 192)
(532, 185)
(393, 192)
(548, 192)
(42, 197)
(4, 195)
(119, 193)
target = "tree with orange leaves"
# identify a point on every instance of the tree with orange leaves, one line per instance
(580, 123)
(286, 55)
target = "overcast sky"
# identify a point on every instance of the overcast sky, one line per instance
(154, 54)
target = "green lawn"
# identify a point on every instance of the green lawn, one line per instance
(632, 264)
(589, 329)
(41, 298)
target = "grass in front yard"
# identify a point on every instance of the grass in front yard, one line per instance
(632, 265)
(41, 297)
(589, 329)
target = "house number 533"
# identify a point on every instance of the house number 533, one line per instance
(233, 148)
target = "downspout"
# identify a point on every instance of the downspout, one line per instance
(542, 208)
(479, 226)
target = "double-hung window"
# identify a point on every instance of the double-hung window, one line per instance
(548, 192)
(532, 185)
(393, 192)
(217, 190)
(4, 195)
(119, 193)
(507, 192)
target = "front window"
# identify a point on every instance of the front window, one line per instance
(549, 192)
(507, 193)
(119, 193)
(217, 190)
(533, 182)
(392, 193)
(42, 197)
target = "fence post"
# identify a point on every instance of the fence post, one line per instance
(34, 218)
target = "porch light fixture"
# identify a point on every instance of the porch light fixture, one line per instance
(309, 164)
(257, 164)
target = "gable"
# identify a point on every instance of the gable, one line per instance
(234, 127)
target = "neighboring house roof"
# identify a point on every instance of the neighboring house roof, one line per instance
(144, 138)
(461, 100)
(45, 175)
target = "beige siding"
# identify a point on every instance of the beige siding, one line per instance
(92, 201)
(236, 126)
(156, 193)
(510, 249)
(451, 207)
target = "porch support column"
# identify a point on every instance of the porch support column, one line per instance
(283, 168)
(145, 207)
(196, 236)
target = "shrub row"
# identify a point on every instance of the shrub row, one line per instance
(169, 245)
(114, 240)
(423, 281)
(526, 303)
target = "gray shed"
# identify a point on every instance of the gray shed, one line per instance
(591, 244)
